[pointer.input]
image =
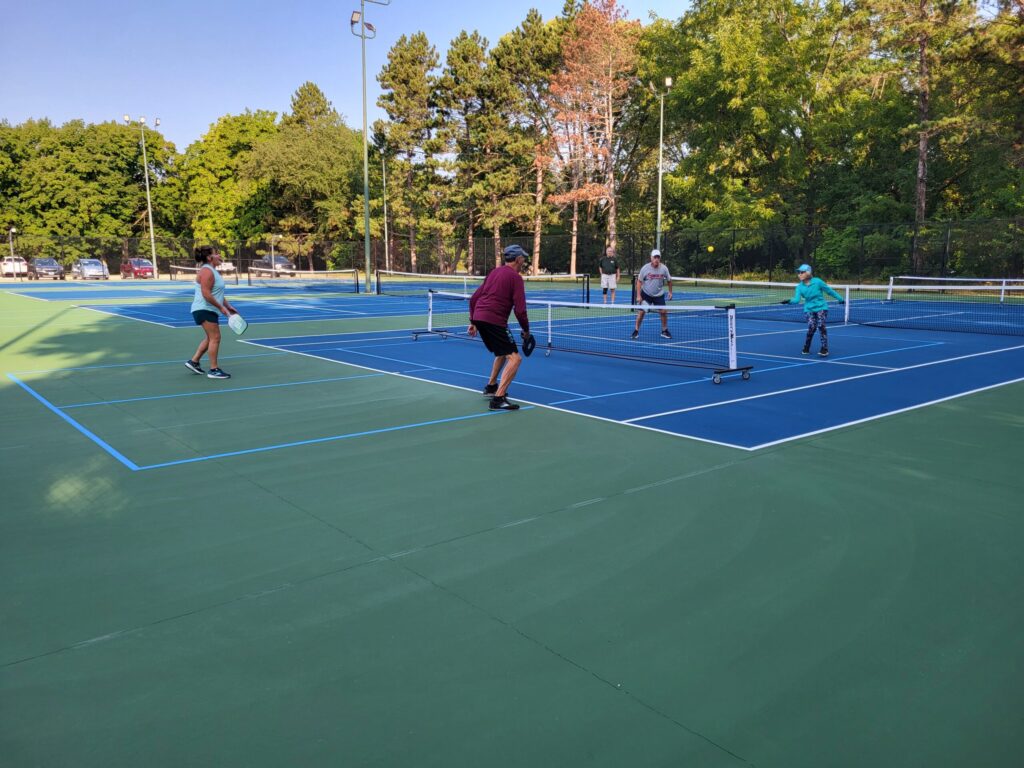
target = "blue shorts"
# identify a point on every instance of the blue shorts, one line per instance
(657, 301)
(205, 316)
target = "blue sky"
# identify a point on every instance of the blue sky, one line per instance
(191, 61)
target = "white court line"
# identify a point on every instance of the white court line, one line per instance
(452, 370)
(125, 317)
(882, 415)
(528, 402)
(823, 384)
(26, 296)
(843, 360)
(301, 306)
(339, 333)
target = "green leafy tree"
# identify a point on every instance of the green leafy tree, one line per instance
(408, 81)
(222, 203)
(310, 168)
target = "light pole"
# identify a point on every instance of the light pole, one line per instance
(10, 240)
(384, 176)
(145, 167)
(272, 239)
(359, 18)
(661, 143)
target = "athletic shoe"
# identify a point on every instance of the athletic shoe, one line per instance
(806, 350)
(502, 404)
(193, 366)
(217, 373)
(665, 334)
(635, 335)
(490, 390)
(823, 353)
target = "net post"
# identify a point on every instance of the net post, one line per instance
(846, 304)
(1002, 292)
(888, 294)
(731, 314)
(377, 275)
(549, 327)
(430, 311)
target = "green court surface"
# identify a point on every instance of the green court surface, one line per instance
(528, 589)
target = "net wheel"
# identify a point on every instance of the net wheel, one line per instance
(716, 378)
(746, 375)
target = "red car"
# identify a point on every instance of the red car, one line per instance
(137, 268)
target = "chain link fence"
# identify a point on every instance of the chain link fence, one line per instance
(857, 253)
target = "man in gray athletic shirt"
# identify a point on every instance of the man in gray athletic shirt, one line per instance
(651, 285)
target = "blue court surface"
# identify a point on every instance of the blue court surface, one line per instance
(873, 372)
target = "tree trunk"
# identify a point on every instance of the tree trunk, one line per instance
(921, 197)
(575, 234)
(412, 248)
(496, 230)
(610, 178)
(469, 240)
(538, 201)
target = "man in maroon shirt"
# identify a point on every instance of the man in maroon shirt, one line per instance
(489, 307)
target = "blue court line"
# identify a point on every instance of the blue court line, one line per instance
(134, 365)
(218, 391)
(332, 438)
(100, 442)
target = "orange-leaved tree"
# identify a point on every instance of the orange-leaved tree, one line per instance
(587, 94)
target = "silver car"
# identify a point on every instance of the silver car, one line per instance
(90, 269)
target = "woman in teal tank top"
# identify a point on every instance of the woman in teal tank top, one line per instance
(207, 302)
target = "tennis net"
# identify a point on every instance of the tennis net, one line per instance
(921, 280)
(331, 280)
(973, 308)
(554, 287)
(700, 337)
(188, 274)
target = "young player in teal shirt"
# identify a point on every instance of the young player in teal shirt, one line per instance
(811, 291)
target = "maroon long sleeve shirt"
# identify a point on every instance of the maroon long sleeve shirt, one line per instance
(501, 293)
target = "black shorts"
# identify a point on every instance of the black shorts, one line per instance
(205, 316)
(657, 301)
(497, 338)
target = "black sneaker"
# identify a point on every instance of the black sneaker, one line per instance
(502, 404)
(665, 334)
(806, 350)
(490, 390)
(823, 353)
(635, 335)
(217, 373)
(193, 366)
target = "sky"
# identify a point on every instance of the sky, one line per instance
(189, 62)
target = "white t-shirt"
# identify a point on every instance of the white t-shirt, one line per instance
(652, 279)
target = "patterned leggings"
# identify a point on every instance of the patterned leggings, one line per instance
(816, 321)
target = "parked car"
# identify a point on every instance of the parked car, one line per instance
(14, 266)
(278, 264)
(90, 269)
(226, 268)
(47, 268)
(137, 268)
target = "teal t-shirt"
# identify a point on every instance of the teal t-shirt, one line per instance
(812, 294)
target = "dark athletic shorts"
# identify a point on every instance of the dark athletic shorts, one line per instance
(497, 338)
(656, 301)
(205, 316)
